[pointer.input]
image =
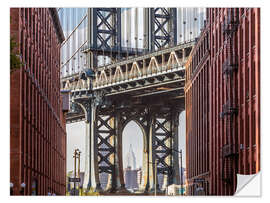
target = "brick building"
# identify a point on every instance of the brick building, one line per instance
(223, 101)
(197, 114)
(37, 123)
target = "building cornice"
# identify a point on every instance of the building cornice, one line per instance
(57, 24)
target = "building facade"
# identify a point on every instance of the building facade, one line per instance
(197, 116)
(131, 178)
(37, 123)
(223, 101)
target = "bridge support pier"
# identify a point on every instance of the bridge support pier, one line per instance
(103, 147)
(164, 149)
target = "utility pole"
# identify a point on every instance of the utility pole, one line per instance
(79, 163)
(181, 172)
(75, 157)
(76, 152)
(156, 177)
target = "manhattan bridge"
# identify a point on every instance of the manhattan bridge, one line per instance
(128, 64)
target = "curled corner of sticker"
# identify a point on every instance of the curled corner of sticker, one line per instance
(248, 185)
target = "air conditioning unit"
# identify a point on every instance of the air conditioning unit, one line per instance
(65, 100)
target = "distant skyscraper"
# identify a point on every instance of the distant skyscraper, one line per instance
(103, 177)
(130, 175)
(131, 159)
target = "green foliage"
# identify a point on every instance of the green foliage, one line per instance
(15, 61)
(90, 193)
(83, 192)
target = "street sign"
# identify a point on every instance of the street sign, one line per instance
(198, 180)
(74, 179)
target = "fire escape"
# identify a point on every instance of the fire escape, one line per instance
(230, 109)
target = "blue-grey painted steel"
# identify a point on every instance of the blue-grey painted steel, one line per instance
(163, 27)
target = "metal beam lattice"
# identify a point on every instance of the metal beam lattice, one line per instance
(162, 134)
(163, 27)
(105, 133)
(106, 29)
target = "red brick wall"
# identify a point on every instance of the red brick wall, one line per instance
(197, 125)
(241, 131)
(15, 147)
(234, 134)
(41, 133)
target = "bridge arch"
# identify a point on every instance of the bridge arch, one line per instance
(137, 141)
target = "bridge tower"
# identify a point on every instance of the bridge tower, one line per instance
(105, 28)
(147, 89)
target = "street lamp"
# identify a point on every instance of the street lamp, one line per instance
(75, 159)
(181, 171)
(22, 188)
(184, 31)
(156, 177)
(140, 39)
(136, 43)
(79, 163)
(127, 48)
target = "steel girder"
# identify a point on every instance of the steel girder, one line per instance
(105, 133)
(158, 125)
(107, 27)
(106, 32)
(163, 27)
(163, 141)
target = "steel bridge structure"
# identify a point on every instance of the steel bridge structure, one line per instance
(147, 89)
(145, 86)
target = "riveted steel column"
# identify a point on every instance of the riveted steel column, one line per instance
(146, 163)
(93, 28)
(152, 28)
(118, 30)
(95, 183)
(111, 177)
(119, 183)
(168, 159)
(174, 24)
(87, 170)
(151, 163)
(146, 38)
(175, 151)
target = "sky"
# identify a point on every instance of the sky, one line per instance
(132, 134)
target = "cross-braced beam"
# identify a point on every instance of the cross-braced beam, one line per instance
(163, 27)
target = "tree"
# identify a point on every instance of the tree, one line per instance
(15, 61)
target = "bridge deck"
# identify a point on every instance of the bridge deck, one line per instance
(152, 79)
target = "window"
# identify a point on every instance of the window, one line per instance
(246, 36)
